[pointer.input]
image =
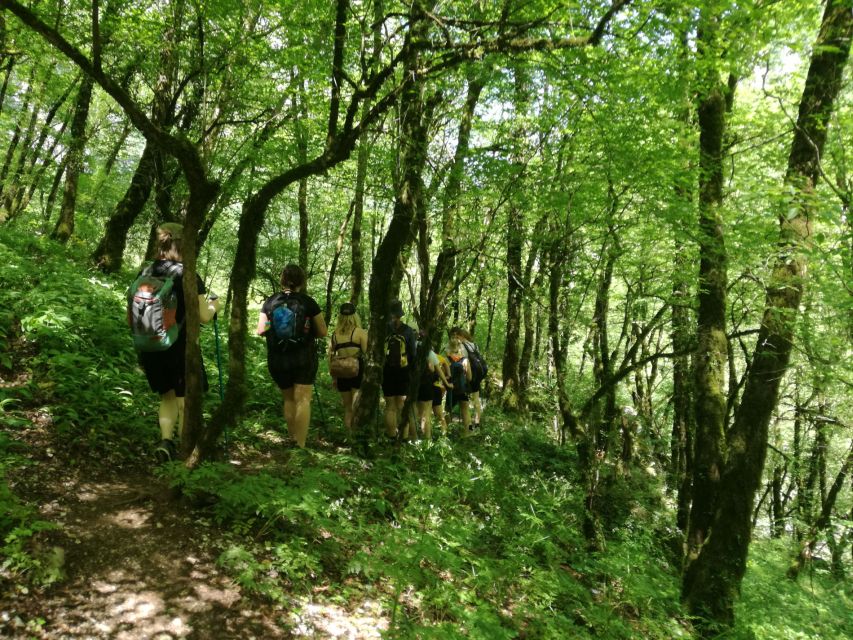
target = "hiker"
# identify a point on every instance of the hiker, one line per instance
(460, 380)
(432, 376)
(442, 382)
(478, 367)
(400, 350)
(165, 368)
(346, 357)
(290, 320)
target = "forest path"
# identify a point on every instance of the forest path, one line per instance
(139, 563)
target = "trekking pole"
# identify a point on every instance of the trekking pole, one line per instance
(320, 407)
(219, 369)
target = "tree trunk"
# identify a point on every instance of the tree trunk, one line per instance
(531, 285)
(16, 136)
(76, 148)
(683, 429)
(718, 571)
(605, 412)
(18, 201)
(823, 520)
(711, 354)
(385, 271)
(357, 253)
(109, 255)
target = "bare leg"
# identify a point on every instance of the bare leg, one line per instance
(301, 413)
(346, 398)
(167, 414)
(393, 404)
(438, 411)
(424, 421)
(466, 418)
(478, 407)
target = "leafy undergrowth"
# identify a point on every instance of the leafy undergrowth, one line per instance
(474, 538)
(815, 607)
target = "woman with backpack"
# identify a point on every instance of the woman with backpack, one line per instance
(165, 368)
(290, 321)
(432, 376)
(346, 357)
(460, 381)
(472, 354)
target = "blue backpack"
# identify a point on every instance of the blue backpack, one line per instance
(457, 376)
(290, 323)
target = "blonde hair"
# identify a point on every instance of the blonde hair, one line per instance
(346, 324)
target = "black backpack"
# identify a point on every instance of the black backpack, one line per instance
(395, 351)
(289, 322)
(479, 368)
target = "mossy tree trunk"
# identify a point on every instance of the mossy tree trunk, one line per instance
(76, 148)
(385, 270)
(711, 356)
(713, 580)
(510, 395)
(109, 254)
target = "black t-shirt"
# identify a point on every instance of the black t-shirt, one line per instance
(165, 268)
(311, 309)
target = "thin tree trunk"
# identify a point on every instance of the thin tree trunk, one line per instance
(76, 147)
(718, 571)
(821, 524)
(110, 252)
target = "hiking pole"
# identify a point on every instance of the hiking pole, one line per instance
(213, 296)
(320, 407)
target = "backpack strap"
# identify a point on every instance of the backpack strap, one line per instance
(345, 345)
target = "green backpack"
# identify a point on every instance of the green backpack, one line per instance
(152, 306)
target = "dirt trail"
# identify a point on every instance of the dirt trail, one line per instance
(138, 564)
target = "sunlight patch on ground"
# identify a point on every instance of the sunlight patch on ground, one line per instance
(329, 621)
(130, 519)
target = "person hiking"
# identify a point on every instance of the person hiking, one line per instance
(432, 376)
(478, 369)
(460, 380)
(290, 320)
(165, 369)
(400, 351)
(442, 382)
(346, 357)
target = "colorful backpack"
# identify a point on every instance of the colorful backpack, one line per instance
(152, 305)
(289, 322)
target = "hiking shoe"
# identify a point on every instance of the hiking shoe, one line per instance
(165, 451)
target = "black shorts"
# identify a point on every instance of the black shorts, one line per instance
(166, 370)
(425, 392)
(350, 384)
(454, 398)
(293, 367)
(437, 395)
(395, 382)
(474, 386)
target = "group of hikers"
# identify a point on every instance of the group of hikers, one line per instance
(291, 321)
